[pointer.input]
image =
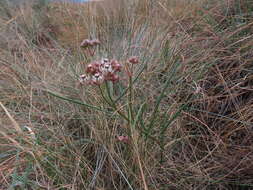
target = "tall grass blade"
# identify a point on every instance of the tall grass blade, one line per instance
(77, 102)
(134, 80)
(165, 126)
(161, 96)
(139, 115)
(222, 116)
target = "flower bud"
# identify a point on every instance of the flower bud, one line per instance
(92, 68)
(124, 139)
(116, 66)
(133, 60)
(115, 78)
(95, 42)
(112, 77)
(85, 43)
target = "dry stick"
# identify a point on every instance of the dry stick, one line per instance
(15, 124)
(139, 160)
(142, 173)
(16, 143)
(18, 129)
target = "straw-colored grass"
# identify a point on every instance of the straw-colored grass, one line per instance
(185, 109)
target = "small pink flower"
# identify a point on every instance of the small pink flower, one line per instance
(97, 78)
(123, 139)
(133, 60)
(89, 43)
(84, 79)
(106, 68)
(112, 77)
(95, 42)
(104, 61)
(116, 66)
(85, 43)
(92, 68)
(115, 78)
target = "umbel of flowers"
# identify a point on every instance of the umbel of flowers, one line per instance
(103, 70)
(99, 71)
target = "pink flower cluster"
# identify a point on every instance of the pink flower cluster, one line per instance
(89, 43)
(133, 60)
(99, 71)
(123, 139)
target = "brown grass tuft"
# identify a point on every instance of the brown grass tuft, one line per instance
(198, 54)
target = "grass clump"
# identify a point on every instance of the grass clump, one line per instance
(158, 96)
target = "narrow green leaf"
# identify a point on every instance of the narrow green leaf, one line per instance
(139, 114)
(159, 99)
(175, 115)
(77, 102)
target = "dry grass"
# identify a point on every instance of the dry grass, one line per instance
(192, 103)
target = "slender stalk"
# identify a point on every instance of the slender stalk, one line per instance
(130, 96)
(133, 81)
(113, 105)
(76, 101)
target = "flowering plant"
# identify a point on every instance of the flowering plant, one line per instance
(102, 72)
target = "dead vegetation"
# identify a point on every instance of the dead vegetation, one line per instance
(201, 137)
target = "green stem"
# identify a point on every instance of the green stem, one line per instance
(112, 104)
(130, 97)
(133, 81)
